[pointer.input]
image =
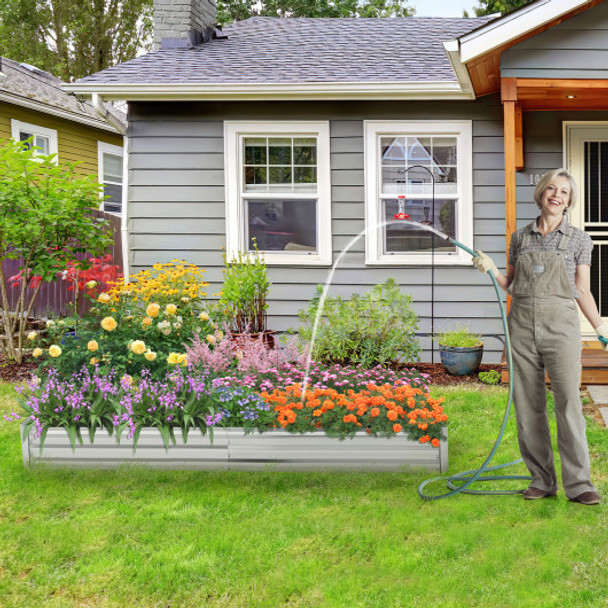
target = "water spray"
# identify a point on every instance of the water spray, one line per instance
(458, 483)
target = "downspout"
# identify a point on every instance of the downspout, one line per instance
(124, 230)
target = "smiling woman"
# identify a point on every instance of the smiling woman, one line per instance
(548, 269)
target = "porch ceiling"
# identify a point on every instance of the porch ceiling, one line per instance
(563, 94)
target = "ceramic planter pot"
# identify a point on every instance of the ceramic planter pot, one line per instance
(275, 450)
(461, 360)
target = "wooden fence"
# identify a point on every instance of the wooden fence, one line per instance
(54, 297)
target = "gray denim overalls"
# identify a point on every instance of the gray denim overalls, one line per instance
(545, 336)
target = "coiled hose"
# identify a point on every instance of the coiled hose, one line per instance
(461, 482)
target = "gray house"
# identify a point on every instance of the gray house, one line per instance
(307, 133)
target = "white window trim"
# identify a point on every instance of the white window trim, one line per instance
(17, 126)
(462, 130)
(104, 148)
(234, 132)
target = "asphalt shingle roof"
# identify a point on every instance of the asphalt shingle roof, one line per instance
(299, 50)
(21, 81)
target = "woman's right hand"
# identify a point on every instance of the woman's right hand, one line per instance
(483, 263)
(602, 335)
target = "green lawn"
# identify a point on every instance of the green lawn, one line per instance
(136, 538)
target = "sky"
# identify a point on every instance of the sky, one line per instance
(442, 8)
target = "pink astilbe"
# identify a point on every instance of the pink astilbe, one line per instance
(255, 356)
(216, 358)
(247, 353)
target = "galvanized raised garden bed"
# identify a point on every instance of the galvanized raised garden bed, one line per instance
(232, 450)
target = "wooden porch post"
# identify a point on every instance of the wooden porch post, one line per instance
(513, 136)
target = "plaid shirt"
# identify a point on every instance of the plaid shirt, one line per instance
(578, 249)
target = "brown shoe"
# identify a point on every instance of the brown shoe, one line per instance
(588, 498)
(534, 494)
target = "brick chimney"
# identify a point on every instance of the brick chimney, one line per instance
(183, 23)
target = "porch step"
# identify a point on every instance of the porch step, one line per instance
(594, 364)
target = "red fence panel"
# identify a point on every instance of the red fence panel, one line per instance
(54, 297)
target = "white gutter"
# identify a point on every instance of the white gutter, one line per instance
(452, 48)
(54, 111)
(124, 226)
(272, 91)
(511, 27)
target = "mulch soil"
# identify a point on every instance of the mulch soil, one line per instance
(16, 372)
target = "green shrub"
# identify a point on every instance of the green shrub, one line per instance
(460, 337)
(375, 328)
(490, 377)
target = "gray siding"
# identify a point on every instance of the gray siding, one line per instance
(176, 207)
(576, 48)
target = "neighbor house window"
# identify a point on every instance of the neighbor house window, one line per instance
(110, 163)
(278, 190)
(42, 138)
(420, 171)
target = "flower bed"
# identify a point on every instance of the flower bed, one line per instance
(186, 400)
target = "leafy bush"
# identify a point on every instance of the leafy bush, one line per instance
(375, 328)
(461, 337)
(490, 377)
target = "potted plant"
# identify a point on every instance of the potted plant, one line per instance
(244, 293)
(460, 351)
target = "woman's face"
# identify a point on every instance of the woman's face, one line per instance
(556, 197)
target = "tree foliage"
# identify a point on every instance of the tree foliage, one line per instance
(490, 7)
(44, 220)
(237, 10)
(74, 38)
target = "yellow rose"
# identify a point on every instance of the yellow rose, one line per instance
(92, 284)
(150, 356)
(219, 334)
(37, 352)
(94, 361)
(138, 347)
(172, 359)
(92, 346)
(147, 321)
(54, 350)
(152, 310)
(109, 323)
(182, 359)
(32, 335)
(211, 339)
(204, 316)
(185, 299)
(104, 298)
(171, 309)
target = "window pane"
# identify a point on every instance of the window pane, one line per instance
(279, 151)
(114, 203)
(256, 175)
(444, 150)
(112, 168)
(289, 225)
(279, 175)
(304, 151)
(401, 237)
(305, 175)
(419, 151)
(43, 143)
(23, 136)
(255, 150)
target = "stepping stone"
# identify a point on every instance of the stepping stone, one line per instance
(604, 413)
(599, 394)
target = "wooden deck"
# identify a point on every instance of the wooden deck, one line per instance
(594, 363)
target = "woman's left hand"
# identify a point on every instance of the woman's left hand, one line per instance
(602, 335)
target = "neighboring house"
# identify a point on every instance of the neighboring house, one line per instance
(302, 133)
(33, 104)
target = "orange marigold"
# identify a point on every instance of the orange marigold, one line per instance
(374, 412)
(435, 443)
(397, 428)
(391, 415)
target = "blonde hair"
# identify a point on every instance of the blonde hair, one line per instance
(547, 178)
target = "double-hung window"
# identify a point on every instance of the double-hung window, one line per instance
(42, 138)
(110, 167)
(278, 190)
(421, 172)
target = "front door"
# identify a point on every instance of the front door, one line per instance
(587, 160)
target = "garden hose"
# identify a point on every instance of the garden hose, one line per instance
(461, 482)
